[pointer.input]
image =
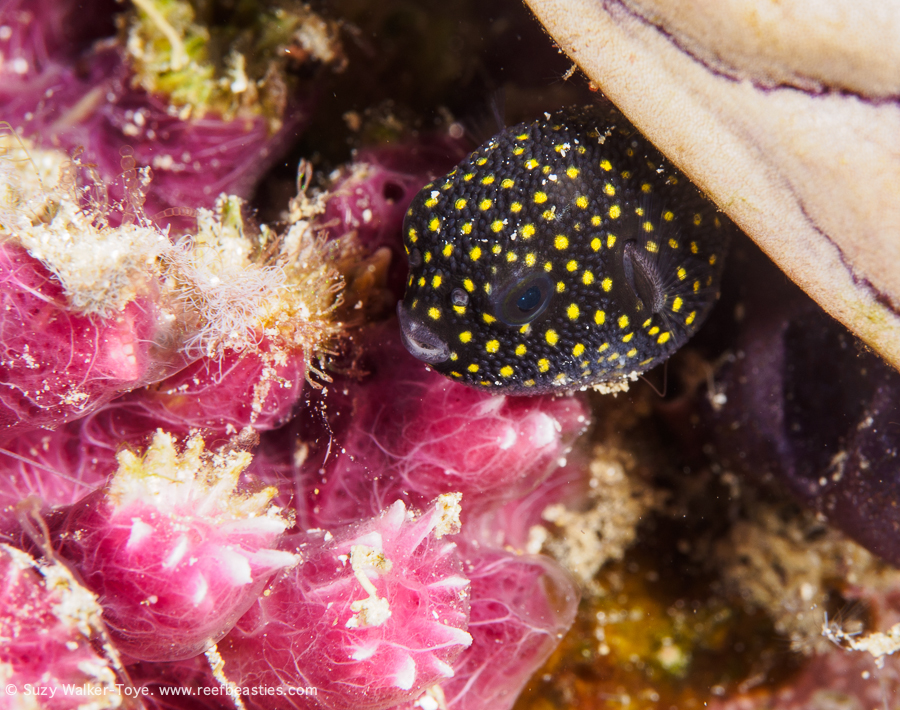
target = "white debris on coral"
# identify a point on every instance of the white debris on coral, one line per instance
(101, 268)
(600, 532)
(374, 610)
(194, 481)
(879, 644)
(448, 509)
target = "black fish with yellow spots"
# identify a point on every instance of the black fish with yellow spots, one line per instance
(559, 255)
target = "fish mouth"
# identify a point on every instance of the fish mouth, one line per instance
(421, 341)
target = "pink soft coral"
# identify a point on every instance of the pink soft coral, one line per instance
(372, 616)
(173, 549)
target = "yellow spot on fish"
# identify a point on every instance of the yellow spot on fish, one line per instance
(652, 247)
(596, 244)
(653, 331)
(421, 281)
(527, 230)
(673, 243)
(560, 286)
(609, 189)
(460, 203)
(492, 346)
(572, 265)
(466, 228)
(548, 215)
(578, 350)
(664, 338)
(487, 180)
(496, 225)
(511, 256)
(436, 281)
(529, 259)
(677, 303)
(531, 164)
(572, 172)
(599, 317)
(485, 204)
(543, 364)
(515, 207)
(595, 220)
(488, 318)
(587, 278)
(690, 318)
(431, 202)
(507, 183)
(540, 197)
(615, 211)
(668, 215)
(434, 313)
(605, 165)
(468, 176)
(481, 161)
(646, 187)
(413, 236)
(572, 311)
(603, 347)
(581, 201)
(694, 248)
(448, 250)
(427, 256)
(473, 367)
(631, 353)
(521, 349)
(712, 260)
(627, 338)
(623, 321)
(648, 226)
(475, 253)
(681, 272)
(697, 220)
(518, 150)
(607, 284)
(506, 371)
(460, 309)
(552, 337)
(561, 241)
(469, 285)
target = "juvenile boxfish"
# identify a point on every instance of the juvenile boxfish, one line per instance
(559, 255)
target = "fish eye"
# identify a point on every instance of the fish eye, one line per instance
(524, 299)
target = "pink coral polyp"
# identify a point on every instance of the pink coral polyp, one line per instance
(370, 618)
(174, 552)
(415, 434)
(58, 365)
